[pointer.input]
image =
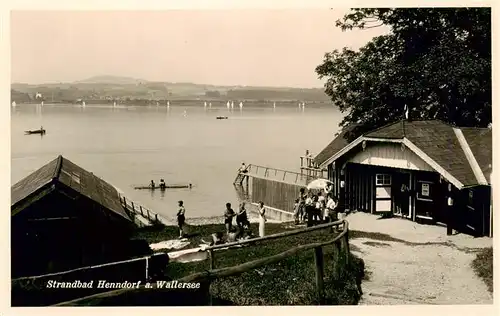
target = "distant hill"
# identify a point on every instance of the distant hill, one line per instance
(111, 80)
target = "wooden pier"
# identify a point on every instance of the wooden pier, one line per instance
(277, 188)
(309, 168)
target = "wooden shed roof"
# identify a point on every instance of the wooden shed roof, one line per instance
(71, 175)
(437, 140)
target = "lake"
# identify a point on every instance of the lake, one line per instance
(130, 146)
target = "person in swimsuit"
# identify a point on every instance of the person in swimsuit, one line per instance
(228, 218)
(163, 186)
(152, 184)
(181, 218)
(242, 218)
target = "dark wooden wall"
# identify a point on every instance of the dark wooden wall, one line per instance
(275, 194)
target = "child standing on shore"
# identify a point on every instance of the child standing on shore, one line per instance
(181, 218)
(228, 218)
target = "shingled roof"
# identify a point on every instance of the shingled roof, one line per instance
(69, 174)
(339, 142)
(437, 140)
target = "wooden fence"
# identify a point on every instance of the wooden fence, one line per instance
(33, 291)
(276, 194)
(341, 260)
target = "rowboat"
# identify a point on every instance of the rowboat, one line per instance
(168, 186)
(221, 117)
(38, 131)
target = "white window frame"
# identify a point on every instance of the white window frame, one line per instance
(385, 179)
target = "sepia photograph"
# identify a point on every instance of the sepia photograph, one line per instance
(251, 157)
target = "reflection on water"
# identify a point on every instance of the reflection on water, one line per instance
(130, 146)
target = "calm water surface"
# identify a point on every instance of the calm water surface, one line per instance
(128, 147)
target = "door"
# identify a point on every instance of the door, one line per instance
(383, 192)
(402, 195)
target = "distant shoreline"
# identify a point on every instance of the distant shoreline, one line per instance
(184, 102)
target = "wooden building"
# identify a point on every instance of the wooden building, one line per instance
(63, 217)
(426, 171)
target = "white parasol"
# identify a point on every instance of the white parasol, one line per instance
(318, 184)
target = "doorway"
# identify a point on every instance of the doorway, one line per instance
(402, 195)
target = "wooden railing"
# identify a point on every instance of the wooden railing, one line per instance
(279, 174)
(341, 260)
(146, 213)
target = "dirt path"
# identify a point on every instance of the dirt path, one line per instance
(425, 267)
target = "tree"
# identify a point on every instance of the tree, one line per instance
(435, 60)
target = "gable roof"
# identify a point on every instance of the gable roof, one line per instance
(440, 143)
(339, 142)
(63, 171)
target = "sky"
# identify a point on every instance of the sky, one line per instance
(253, 47)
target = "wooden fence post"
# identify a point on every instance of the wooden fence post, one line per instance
(140, 207)
(133, 207)
(318, 259)
(156, 217)
(347, 248)
(336, 260)
(148, 213)
(147, 269)
(212, 261)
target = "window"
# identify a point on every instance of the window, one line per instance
(383, 179)
(425, 189)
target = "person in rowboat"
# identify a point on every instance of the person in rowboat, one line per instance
(163, 186)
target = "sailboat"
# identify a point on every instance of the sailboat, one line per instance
(168, 105)
(303, 105)
(83, 104)
(210, 105)
(41, 103)
(205, 104)
(241, 105)
(114, 104)
(274, 105)
(14, 104)
(228, 105)
(232, 104)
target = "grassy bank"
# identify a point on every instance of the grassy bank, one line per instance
(483, 266)
(289, 282)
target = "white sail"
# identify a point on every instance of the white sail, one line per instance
(228, 104)
(241, 105)
(232, 104)
(41, 103)
(274, 104)
(210, 105)
(14, 103)
(83, 103)
(168, 103)
(114, 104)
(205, 104)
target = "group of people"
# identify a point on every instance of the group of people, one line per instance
(242, 223)
(314, 208)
